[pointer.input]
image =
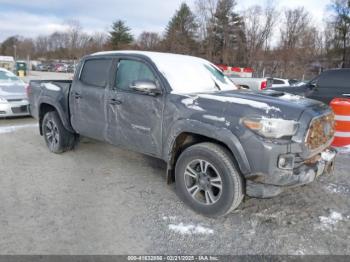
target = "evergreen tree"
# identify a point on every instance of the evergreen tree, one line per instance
(120, 35)
(180, 35)
(228, 34)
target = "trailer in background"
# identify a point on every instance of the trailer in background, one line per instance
(7, 62)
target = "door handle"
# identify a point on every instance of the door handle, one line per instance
(346, 95)
(114, 101)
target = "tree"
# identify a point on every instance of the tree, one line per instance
(205, 11)
(228, 34)
(341, 24)
(120, 35)
(149, 41)
(181, 32)
(259, 23)
(9, 46)
(295, 25)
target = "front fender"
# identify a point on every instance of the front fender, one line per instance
(220, 134)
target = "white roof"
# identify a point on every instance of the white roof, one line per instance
(149, 54)
(7, 58)
(185, 74)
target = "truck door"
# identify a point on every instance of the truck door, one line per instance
(134, 118)
(331, 84)
(88, 98)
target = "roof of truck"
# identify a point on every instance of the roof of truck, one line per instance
(195, 72)
(149, 54)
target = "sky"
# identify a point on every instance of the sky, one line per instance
(31, 18)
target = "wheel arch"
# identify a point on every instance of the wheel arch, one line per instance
(188, 133)
(48, 106)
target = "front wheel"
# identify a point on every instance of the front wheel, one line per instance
(57, 138)
(207, 180)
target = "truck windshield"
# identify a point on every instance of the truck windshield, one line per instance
(187, 74)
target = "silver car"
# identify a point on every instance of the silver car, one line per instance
(13, 98)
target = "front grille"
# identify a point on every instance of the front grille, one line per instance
(19, 110)
(321, 131)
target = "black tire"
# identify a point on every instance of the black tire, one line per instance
(57, 138)
(201, 191)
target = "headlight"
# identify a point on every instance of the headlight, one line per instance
(271, 127)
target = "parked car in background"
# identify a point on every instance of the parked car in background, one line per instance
(13, 99)
(70, 68)
(255, 84)
(42, 67)
(325, 87)
(51, 67)
(279, 82)
(219, 142)
(61, 68)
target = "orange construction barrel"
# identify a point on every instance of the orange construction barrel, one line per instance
(341, 108)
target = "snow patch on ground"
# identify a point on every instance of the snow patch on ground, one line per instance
(242, 101)
(190, 229)
(171, 218)
(327, 222)
(11, 129)
(344, 150)
(338, 189)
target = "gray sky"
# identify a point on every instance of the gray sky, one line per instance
(40, 17)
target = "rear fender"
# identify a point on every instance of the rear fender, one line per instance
(62, 112)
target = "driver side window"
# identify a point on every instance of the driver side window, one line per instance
(130, 71)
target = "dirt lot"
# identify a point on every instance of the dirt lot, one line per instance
(99, 199)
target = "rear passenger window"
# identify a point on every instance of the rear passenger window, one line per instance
(96, 72)
(278, 82)
(130, 71)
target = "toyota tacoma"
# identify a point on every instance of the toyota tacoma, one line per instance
(220, 143)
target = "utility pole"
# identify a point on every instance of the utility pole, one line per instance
(15, 50)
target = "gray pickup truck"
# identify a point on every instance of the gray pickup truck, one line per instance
(219, 143)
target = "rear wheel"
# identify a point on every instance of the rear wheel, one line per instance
(207, 180)
(57, 138)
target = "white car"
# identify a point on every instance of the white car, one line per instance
(13, 98)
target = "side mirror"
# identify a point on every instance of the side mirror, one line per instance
(146, 86)
(312, 85)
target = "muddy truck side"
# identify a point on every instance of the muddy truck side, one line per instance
(220, 143)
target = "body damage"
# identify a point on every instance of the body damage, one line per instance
(164, 125)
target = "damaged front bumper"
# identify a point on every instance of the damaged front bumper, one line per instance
(262, 185)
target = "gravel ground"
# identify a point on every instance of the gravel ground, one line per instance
(99, 199)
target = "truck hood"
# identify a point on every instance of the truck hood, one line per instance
(12, 90)
(268, 103)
